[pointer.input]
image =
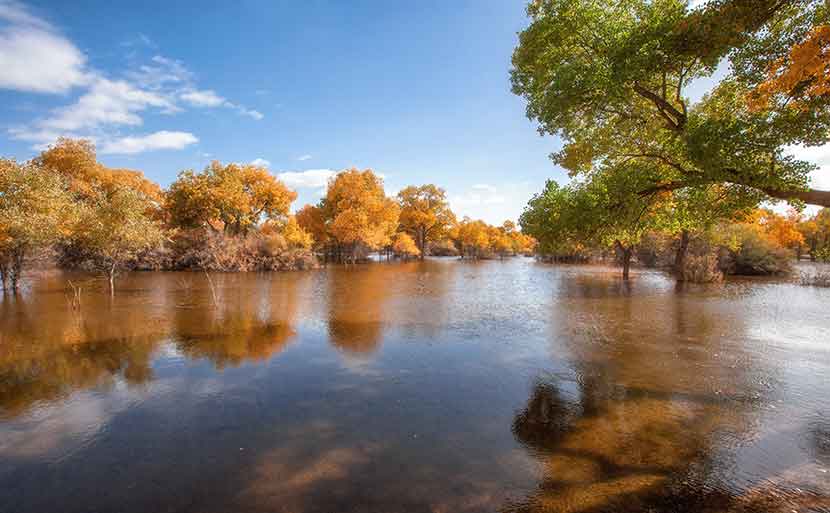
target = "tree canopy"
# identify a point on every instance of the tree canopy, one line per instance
(611, 79)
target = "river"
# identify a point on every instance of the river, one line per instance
(440, 386)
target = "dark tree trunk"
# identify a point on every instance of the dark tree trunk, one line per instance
(680, 257)
(16, 266)
(625, 257)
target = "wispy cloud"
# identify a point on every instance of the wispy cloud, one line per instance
(36, 58)
(309, 179)
(493, 203)
(260, 162)
(209, 98)
(162, 140)
(206, 98)
(304, 157)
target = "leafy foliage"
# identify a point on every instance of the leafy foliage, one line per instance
(610, 79)
(35, 211)
(233, 198)
(425, 214)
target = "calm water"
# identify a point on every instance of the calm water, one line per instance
(437, 386)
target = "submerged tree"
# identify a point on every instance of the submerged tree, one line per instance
(233, 198)
(114, 228)
(425, 214)
(35, 211)
(357, 212)
(404, 246)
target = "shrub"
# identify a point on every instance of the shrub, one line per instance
(818, 279)
(758, 256)
(702, 269)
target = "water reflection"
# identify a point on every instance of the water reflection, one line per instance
(356, 299)
(241, 324)
(425, 386)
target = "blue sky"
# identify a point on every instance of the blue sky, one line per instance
(417, 91)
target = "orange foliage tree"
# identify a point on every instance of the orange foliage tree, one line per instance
(799, 77)
(404, 246)
(425, 214)
(356, 215)
(76, 161)
(233, 198)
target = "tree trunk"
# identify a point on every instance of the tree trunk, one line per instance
(680, 257)
(17, 266)
(625, 255)
(112, 278)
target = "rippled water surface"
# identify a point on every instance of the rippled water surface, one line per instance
(431, 386)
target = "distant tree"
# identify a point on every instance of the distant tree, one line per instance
(114, 228)
(404, 246)
(233, 198)
(473, 238)
(425, 214)
(312, 219)
(358, 213)
(76, 161)
(36, 210)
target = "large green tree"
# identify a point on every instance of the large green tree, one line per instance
(611, 79)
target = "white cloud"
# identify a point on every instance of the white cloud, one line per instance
(209, 98)
(818, 155)
(34, 57)
(160, 73)
(260, 162)
(255, 114)
(206, 98)
(107, 102)
(310, 179)
(304, 157)
(162, 140)
(492, 203)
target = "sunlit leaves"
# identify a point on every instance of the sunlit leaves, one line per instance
(425, 214)
(232, 197)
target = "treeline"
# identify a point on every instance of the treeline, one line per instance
(652, 167)
(700, 237)
(234, 217)
(355, 217)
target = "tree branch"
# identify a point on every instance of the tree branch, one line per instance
(675, 118)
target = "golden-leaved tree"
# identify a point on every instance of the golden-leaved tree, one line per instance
(232, 198)
(114, 227)
(76, 161)
(312, 220)
(473, 238)
(425, 214)
(36, 210)
(404, 246)
(357, 213)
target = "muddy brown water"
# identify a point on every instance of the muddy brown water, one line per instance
(439, 386)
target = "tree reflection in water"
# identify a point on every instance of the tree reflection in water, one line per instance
(645, 424)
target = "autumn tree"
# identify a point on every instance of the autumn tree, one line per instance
(472, 238)
(404, 246)
(76, 161)
(611, 79)
(36, 211)
(114, 227)
(425, 214)
(233, 198)
(816, 234)
(606, 211)
(357, 212)
(311, 218)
